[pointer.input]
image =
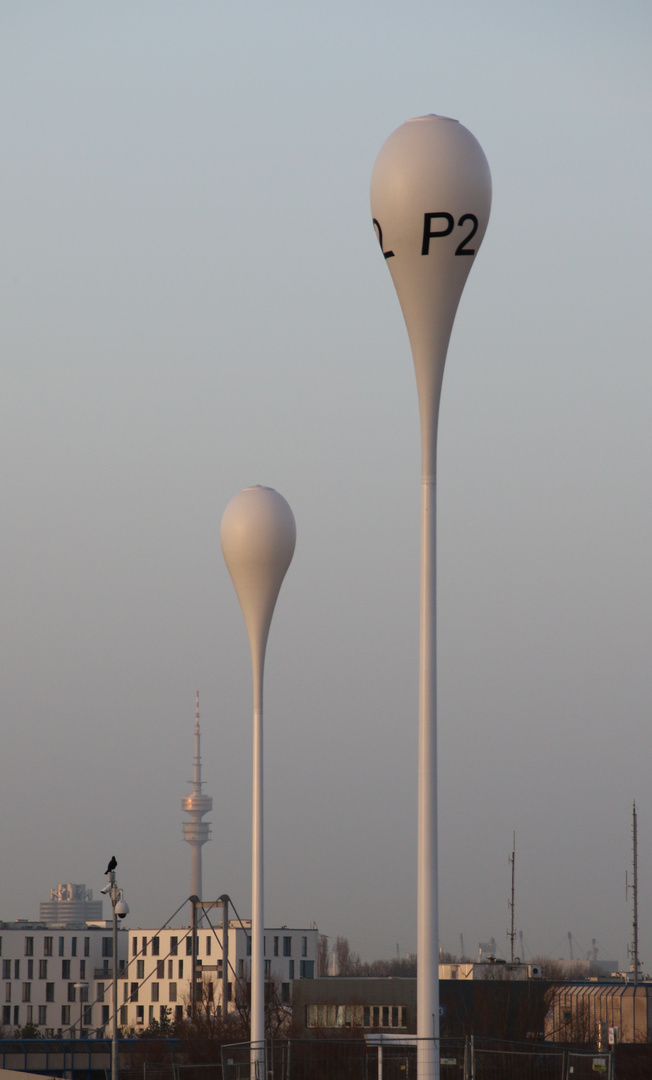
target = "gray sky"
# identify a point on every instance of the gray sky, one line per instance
(193, 300)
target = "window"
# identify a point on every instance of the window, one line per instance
(375, 1015)
(268, 969)
(134, 992)
(285, 993)
(181, 969)
(65, 1015)
(30, 969)
(160, 969)
(6, 969)
(42, 969)
(49, 991)
(304, 946)
(99, 992)
(189, 945)
(88, 1015)
(248, 945)
(385, 1015)
(140, 969)
(72, 993)
(83, 993)
(140, 1014)
(65, 970)
(172, 991)
(291, 969)
(6, 1015)
(174, 946)
(264, 946)
(307, 969)
(62, 942)
(87, 946)
(8, 991)
(30, 1014)
(155, 946)
(287, 946)
(29, 946)
(178, 1014)
(170, 967)
(105, 1014)
(27, 991)
(241, 969)
(123, 1015)
(73, 946)
(17, 1015)
(47, 946)
(155, 987)
(16, 969)
(42, 1015)
(125, 994)
(82, 969)
(208, 946)
(395, 1020)
(107, 946)
(144, 946)
(276, 946)
(134, 946)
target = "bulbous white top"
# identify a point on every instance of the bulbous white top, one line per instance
(258, 535)
(430, 201)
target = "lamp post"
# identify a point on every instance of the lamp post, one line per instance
(120, 910)
(430, 201)
(258, 535)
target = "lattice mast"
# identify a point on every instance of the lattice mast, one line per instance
(196, 832)
(512, 934)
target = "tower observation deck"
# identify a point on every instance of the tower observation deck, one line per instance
(196, 832)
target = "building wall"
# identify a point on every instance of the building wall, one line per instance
(157, 982)
(578, 1009)
(40, 966)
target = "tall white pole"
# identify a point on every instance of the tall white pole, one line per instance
(258, 537)
(430, 201)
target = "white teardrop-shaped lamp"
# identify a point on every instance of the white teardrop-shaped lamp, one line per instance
(430, 202)
(258, 535)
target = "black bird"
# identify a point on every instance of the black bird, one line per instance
(112, 865)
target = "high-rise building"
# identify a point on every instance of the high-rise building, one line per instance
(70, 905)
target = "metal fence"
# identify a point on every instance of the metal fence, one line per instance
(462, 1059)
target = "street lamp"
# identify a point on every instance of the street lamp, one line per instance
(120, 910)
(258, 535)
(430, 201)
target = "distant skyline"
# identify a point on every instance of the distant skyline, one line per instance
(193, 300)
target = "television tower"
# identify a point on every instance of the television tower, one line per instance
(196, 832)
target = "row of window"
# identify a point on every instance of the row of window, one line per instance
(154, 945)
(40, 1016)
(66, 973)
(368, 1016)
(48, 946)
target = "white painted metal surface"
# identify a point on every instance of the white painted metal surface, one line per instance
(258, 537)
(430, 201)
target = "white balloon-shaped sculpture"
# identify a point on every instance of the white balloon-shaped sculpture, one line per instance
(430, 201)
(258, 536)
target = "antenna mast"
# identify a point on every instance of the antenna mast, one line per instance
(512, 933)
(634, 888)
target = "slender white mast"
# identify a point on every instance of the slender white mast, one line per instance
(430, 201)
(196, 832)
(258, 536)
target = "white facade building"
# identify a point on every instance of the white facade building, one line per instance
(60, 979)
(57, 978)
(157, 983)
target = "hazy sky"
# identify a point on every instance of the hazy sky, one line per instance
(193, 300)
